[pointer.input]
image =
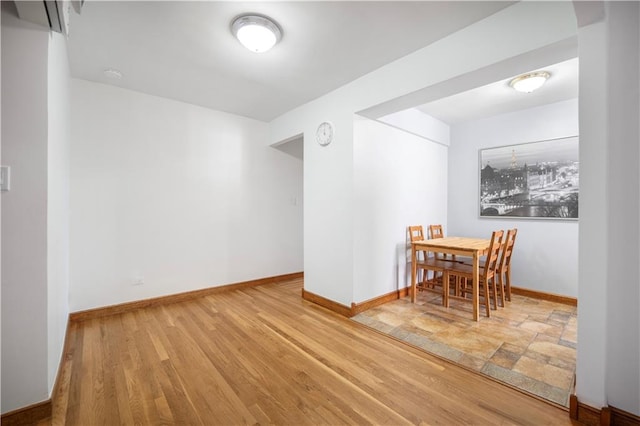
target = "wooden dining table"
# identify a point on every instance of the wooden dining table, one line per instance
(460, 246)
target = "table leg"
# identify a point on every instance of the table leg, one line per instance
(476, 287)
(414, 270)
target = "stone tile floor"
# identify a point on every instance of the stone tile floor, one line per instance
(529, 344)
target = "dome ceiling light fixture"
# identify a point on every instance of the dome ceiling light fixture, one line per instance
(527, 83)
(256, 32)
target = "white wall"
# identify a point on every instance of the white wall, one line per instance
(546, 256)
(329, 171)
(592, 274)
(415, 121)
(57, 201)
(176, 195)
(24, 213)
(1, 229)
(400, 179)
(623, 315)
(608, 361)
(328, 210)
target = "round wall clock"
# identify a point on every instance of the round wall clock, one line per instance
(324, 134)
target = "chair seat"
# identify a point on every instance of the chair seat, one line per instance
(461, 269)
(434, 283)
(434, 264)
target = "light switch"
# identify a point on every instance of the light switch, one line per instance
(5, 178)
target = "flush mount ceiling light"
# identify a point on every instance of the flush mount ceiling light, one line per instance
(527, 83)
(256, 33)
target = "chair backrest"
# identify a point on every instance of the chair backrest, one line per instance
(416, 233)
(507, 249)
(491, 261)
(435, 231)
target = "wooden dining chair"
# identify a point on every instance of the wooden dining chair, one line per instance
(463, 275)
(417, 234)
(503, 270)
(426, 263)
(436, 231)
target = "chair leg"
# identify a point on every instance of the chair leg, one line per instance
(486, 297)
(425, 279)
(495, 292)
(507, 274)
(501, 287)
(462, 283)
(445, 289)
(429, 282)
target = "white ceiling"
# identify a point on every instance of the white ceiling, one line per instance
(185, 50)
(499, 98)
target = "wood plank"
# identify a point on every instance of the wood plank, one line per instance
(264, 355)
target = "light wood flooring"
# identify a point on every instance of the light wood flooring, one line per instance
(265, 356)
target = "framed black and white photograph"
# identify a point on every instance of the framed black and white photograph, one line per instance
(531, 180)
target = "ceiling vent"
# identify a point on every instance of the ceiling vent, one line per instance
(52, 14)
